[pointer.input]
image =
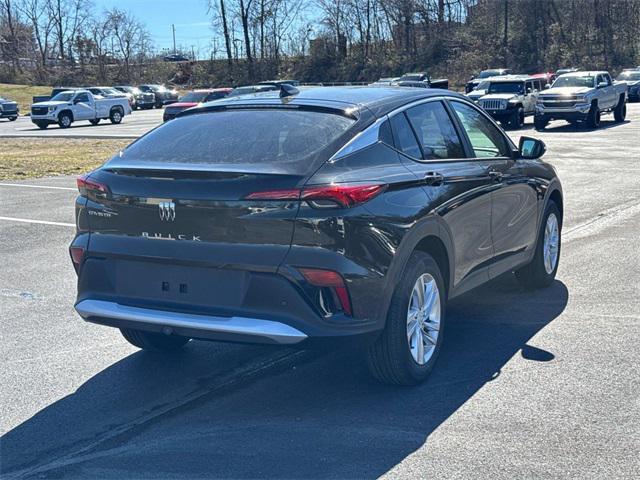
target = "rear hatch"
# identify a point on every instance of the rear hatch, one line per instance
(172, 212)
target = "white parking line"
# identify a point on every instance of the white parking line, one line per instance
(41, 222)
(35, 186)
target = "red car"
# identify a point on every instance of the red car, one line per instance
(549, 77)
(193, 99)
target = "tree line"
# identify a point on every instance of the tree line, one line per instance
(321, 40)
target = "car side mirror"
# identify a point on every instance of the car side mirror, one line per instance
(547, 85)
(602, 84)
(472, 77)
(531, 148)
(529, 90)
(76, 101)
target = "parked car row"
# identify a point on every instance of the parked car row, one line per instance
(417, 79)
(144, 96)
(579, 97)
(197, 97)
(73, 105)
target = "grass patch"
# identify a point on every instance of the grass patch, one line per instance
(22, 94)
(43, 157)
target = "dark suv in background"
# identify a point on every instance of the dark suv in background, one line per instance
(9, 109)
(163, 96)
(140, 99)
(289, 217)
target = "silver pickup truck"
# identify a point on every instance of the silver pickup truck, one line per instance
(581, 97)
(73, 105)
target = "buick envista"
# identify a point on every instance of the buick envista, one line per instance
(300, 216)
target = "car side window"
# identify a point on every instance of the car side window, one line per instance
(607, 79)
(384, 133)
(82, 97)
(403, 136)
(435, 131)
(528, 87)
(485, 138)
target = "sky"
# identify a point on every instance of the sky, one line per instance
(193, 25)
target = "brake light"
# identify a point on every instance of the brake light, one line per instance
(77, 254)
(332, 280)
(345, 195)
(292, 194)
(85, 185)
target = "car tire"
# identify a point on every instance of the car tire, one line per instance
(42, 125)
(94, 121)
(153, 342)
(65, 120)
(541, 271)
(13, 119)
(393, 358)
(620, 112)
(517, 119)
(115, 116)
(540, 123)
(593, 117)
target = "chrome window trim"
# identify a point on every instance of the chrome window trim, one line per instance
(363, 139)
(371, 135)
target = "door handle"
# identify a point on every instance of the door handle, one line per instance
(496, 175)
(433, 179)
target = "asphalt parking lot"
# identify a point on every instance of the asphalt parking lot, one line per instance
(132, 126)
(535, 385)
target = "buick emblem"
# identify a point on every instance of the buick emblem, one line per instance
(167, 211)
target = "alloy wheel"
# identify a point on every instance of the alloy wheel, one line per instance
(423, 319)
(551, 243)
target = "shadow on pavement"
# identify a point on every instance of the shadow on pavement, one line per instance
(555, 127)
(321, 417)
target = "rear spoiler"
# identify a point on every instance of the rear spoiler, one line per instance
(347, 111)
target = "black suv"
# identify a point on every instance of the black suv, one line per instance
(163, 96)
(289, 216)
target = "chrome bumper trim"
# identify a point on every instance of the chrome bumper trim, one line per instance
(274, 331)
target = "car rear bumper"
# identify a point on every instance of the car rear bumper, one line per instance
(188, 324)
(225, 304)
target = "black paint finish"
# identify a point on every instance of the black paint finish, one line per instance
(226, 255)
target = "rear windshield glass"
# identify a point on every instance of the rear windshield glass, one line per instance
(629, 76)
(194, 97)
(489, 73)
(284, 140)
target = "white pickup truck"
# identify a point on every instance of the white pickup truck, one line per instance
(581, 97)
(73, 105)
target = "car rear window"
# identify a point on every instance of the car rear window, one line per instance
(286, 139)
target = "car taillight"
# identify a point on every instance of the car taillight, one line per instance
(85, 185)
(332, 281)
(77, 254)
(344, 195)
